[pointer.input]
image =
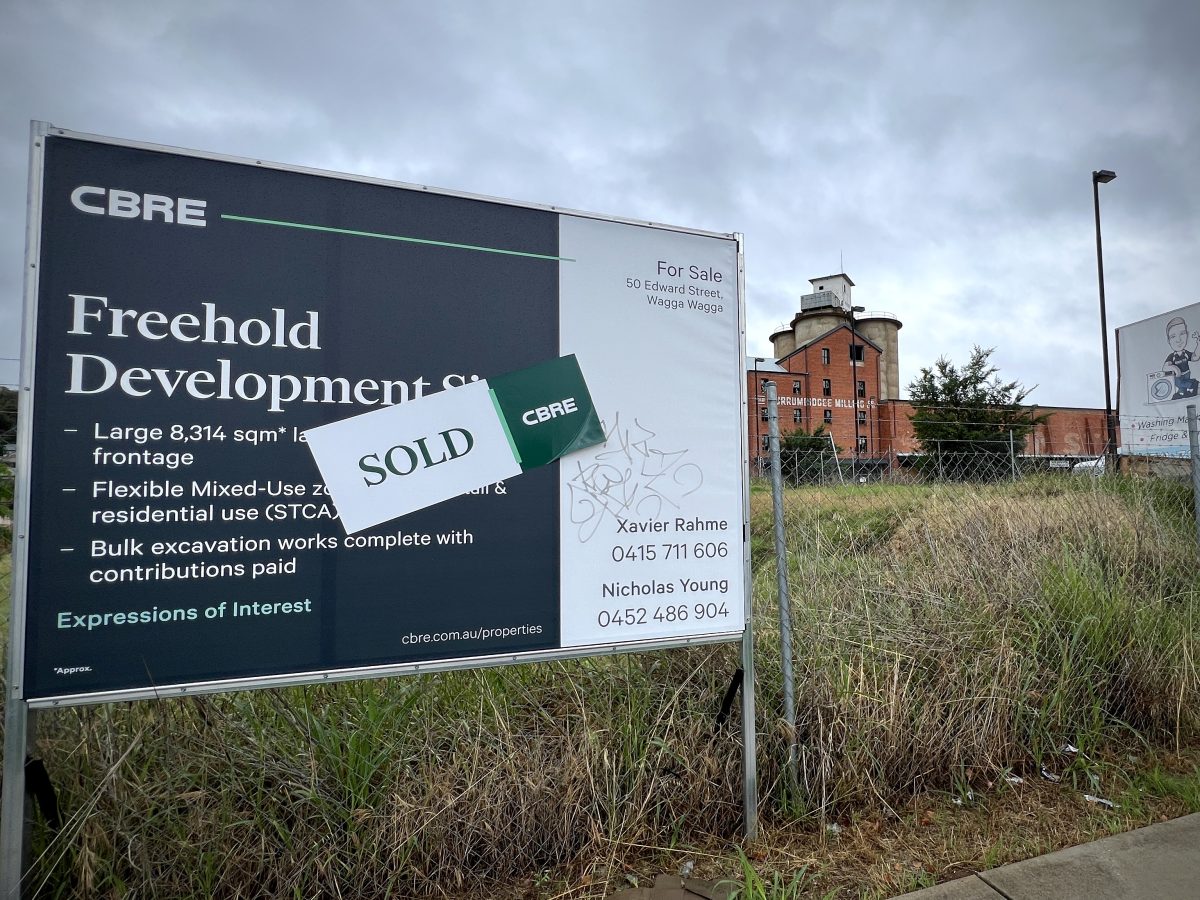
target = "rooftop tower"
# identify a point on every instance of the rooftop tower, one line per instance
(829, 306)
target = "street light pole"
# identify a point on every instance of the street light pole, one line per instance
(1104, 176)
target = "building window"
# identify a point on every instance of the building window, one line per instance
(862, 443)
(826, 387)
(796, 415)
(828, 417)
(764, 415)
(824, 356)
(862, 417)
(764, 443)
(795, 387)
(856, 352)
(862, 389)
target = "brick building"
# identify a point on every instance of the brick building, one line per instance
(836, 365)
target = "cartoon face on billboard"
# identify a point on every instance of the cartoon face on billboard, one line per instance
(1156, 381)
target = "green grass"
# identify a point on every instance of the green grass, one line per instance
(774, 886)
(1159, 783)
(945, 635)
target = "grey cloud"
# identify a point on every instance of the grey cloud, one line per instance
(944, 148)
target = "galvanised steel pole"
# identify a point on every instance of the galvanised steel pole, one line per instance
(749, 717)
(785, 603)
(1194, 441)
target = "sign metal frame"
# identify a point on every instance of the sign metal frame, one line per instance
(18, 728)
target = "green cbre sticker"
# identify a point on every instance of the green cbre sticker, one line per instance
(394, 461)
(547, 411)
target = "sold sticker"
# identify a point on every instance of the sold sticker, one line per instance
(397, 460)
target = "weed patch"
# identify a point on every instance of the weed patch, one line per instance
(951, 642)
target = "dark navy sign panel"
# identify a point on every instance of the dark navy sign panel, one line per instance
(419, 311)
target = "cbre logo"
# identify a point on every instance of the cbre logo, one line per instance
(551, 411)
(98, 201)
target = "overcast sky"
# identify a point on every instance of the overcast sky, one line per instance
(943, 150)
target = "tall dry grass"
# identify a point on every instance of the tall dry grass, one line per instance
(943, 635)
(957, 631)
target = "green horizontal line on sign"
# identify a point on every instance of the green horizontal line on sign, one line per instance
(393, 237)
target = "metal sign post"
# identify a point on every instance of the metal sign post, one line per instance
(749, 725)
(1194, 444)
(19, 721)
(15, 810)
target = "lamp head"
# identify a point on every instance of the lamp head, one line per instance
(1104, 176)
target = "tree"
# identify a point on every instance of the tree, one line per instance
(8, 415)
(805, 456)
(803, 440)
(968, 420)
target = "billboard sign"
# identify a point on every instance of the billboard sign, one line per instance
(287, 426)
(1158, 372)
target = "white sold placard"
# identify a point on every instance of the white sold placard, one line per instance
(399, 459)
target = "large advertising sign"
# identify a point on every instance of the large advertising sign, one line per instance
(288, 426)
(1158, 372)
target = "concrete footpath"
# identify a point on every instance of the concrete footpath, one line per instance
(1159, 861)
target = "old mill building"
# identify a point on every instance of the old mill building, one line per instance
(837, 365)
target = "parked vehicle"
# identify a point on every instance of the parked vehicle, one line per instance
(1093, 467)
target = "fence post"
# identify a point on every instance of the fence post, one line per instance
(837, 462)
(785, 603)
(941, 471)
(1012, 453)
(1194, 442)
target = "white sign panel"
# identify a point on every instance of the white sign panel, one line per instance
(1158, 376)
(652, 519)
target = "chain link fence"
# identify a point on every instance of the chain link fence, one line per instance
(957, 618)
(970, 612)
(973, 460)
(8, 439)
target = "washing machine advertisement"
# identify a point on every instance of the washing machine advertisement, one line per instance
(1159, 376)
